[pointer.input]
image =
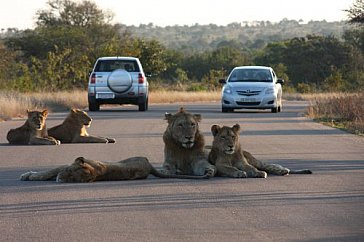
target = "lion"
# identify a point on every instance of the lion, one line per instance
(33, 131)
(232, 161)
(73, 129)
(85, 170)
(184, 146)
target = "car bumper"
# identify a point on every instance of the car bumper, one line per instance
(136, 95)
(254, 102)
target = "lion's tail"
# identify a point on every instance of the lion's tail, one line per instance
(300, 171)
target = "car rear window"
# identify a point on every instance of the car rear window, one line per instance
(111, 65)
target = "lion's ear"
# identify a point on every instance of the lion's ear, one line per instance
(168, 117)
(197, 117)
(236, 128)
(181, 110)
(215, 129)
(45, 112)
(80, 160)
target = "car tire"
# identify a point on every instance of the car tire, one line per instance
(93, 107)
(143, 106)
(275, 110)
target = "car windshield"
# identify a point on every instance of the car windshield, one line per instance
(250, 75)
(111, 65)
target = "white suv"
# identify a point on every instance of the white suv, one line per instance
(252, 87)
(117, 80)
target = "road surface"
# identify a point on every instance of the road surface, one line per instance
(325, 206)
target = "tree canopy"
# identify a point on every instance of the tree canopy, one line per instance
(59, 53)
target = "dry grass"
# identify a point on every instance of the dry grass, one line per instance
(15, 104)
(340, 110)
(183, 96)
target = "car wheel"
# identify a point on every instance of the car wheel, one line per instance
(93, 106)
(275, 110)
(143, 106)
(279, 109)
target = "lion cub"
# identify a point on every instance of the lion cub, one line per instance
(232, 161)
(33, 131)
(73, 129)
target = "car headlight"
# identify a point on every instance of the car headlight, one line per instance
(269, 90)
(227, 90)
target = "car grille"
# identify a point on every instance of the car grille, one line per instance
(248, 93)
(248, 103)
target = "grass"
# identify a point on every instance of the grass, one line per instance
(339, 110)
(15, 104)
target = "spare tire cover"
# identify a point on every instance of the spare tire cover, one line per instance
(119, 80)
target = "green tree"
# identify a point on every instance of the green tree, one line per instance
(70, 13)
(356, 12)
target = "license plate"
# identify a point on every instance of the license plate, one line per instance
(248, 100)
(105, 95)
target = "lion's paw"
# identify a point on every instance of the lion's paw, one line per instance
(25, 176)
(240, 174)
(58, 142)
(283, 172)
(210, 172)
(261, 174)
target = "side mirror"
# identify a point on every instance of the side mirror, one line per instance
(280, 81)
(222, 81)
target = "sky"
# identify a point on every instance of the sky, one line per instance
(20, 14)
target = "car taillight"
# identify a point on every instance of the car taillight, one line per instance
(93, 78)
(140, 78)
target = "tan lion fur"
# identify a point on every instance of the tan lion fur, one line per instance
(73, 129)
(85, 170)
(232, 161)
(33, 131)
(184, 146)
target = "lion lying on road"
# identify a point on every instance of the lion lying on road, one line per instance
(184, 146)
(73, 129)
(232, 161)
(33, 131)
(85, 170)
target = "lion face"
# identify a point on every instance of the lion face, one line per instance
(37, 119)
(226, 139)
(81, 116)
(81, 170)
(183, 127)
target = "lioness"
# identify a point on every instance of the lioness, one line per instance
(73, 129)
(33, 131)
(85, 170)
(184, 146)
(232, 161)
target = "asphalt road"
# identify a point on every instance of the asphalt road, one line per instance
(325, 206)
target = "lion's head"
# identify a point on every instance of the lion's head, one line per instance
(36, 119)
(183, 128)
(81, 117)
(226, 139)
(81, 170)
